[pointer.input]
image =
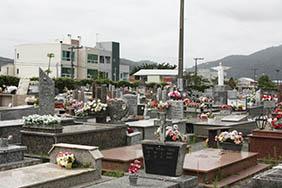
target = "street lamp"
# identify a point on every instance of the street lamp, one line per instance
(261, 121)
(196, 64)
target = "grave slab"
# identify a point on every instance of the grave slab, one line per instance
(45, 175)
(121, 157)
(209, 164)
(141, 183)
(271, 178)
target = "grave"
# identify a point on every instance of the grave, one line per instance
(52, 175)
(117, 109)
(23, 86)
(17, 112)
(222, 167)
(120, 158)
(267, 143)
(46, 94)
(149, 126)
(176, 110)
(100, 92)
(201, 127)
(132, 104)
(12, 156)
(102, 135)
(271, 178)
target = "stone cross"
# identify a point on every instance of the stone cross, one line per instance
(159, 94)
(162, 123)
(220, 73)
(46, 94)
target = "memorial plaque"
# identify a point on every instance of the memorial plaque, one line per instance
(160, 159)
(140, 109)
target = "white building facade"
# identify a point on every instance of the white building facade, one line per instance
(101, 61)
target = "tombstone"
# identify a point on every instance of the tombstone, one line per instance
(271, 178)
(118, 93)
(208, 92)
(164, 95)
(232, 94)
(100, 92)
(117, 109)
(23, 86)
(258, 97)
(159, 94)
(132, 103)
(46, 94)
(75, 94)
(176, 110)
(81, 96)
(220, 95)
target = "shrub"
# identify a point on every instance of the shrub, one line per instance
(9, 80)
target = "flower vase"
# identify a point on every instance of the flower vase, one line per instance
(133, 179)
(230, 146)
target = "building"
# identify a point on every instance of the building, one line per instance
(101, 61)
(124, 72)
(7, 67)
(246, 83)
(157, 75)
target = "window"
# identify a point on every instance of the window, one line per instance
(92, 73)
(66, 72)
(66, 55)
(102, 59)
(18, 55)
(92, 58)
(108, 59)
(18, 71)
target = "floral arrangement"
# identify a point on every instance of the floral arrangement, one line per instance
(251, 99)
(130, 130)
(175, 95)
(37, 120)
(90, 107)
(277, 121)
(163, 106)
(153, 104)
(31, 100)
(172, 134)
(208, 115)
(266, 98)
(232, 137)
(193, 105)
(134, 167)
(76, 104)
(65, 159)
(187, 101)
(226, 107)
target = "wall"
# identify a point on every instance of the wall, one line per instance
(155, 79)
(32, 56)
(124, 72)
(7, 70)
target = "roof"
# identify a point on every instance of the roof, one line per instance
(246, 79)
(156, 72)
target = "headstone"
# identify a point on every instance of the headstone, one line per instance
(164, 158)
(176, 109)
(208, 92)
(132, 103)
(118, 93)
(81, 95)
(23, 86)
(75, 94)
(46, 94)
(117, 109)
(258, 97)
(164, 95)
(159, 94)
(232, 94)
(220, 95)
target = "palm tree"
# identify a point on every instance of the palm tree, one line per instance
(50, 56)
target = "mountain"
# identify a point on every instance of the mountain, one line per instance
(133, 64)
(4, 61)
(266, 61)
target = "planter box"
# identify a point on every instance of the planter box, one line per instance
(230, 146)
(45, 129)
(164, 158)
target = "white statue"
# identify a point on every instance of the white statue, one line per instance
(220, 73)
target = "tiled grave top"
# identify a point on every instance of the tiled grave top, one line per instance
(123, 154)
(147, 123)
(88, 127)
(142, 183)
(12, 148)
(9, 123)
(75, 146)
(220, 123)
(211, 159)
(235, 118)
(32, 175)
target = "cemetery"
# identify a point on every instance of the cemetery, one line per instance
(164, 138)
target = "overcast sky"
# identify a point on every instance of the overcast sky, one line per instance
(146, 29)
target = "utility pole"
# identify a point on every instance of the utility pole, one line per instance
(72, 48)
(196, 64)
(181, 46)
(255, 73)
(277, 71)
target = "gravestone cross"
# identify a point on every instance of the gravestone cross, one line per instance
(162, 123)
(46, 94)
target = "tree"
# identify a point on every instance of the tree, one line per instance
(50, 56)
(265, 83)
(232, 83)
(153, 66)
